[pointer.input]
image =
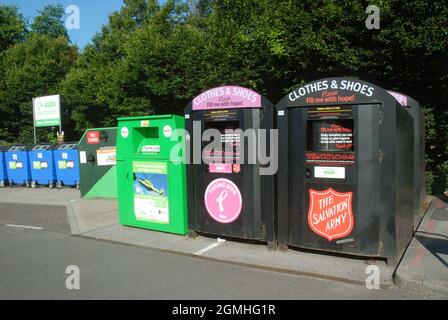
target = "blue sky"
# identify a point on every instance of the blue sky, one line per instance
(93, 14)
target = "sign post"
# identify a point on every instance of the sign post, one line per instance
(34, 125)
(46, 112)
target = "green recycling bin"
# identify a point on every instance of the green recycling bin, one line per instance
(97, 160)
(152, 182)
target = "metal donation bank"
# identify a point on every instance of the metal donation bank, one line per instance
(418, 117)
(346, 168)
(151, 185)
(97, 160)
(230, 184)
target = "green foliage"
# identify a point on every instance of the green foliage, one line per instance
(49, 22)
(12, 27)
(32, 68)
(153, 58)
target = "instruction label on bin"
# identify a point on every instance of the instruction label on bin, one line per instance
(151, 191)
(330, 213)
(106, 156)
(37, 165)
(13, 165)
(64, 164)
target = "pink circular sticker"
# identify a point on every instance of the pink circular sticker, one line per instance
(223, 200)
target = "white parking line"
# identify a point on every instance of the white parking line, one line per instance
(207, 248)
(24, 227)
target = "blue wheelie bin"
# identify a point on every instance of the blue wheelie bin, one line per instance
(43, 171)
(3, 171)
(66, 159)
(18, 165)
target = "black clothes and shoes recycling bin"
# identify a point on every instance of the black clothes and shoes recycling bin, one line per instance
(345, 178)
(231, 185)
(416, 112)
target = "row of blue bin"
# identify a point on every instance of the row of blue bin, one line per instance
(40, 164)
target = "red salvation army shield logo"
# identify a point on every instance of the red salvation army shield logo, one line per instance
(223, 200)
(330, 213)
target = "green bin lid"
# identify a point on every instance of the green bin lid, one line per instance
(149, 117)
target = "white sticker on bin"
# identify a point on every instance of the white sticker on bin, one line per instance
(329, 172)
(151, 148)
(167, 131)
(124, 132)
(82, 157)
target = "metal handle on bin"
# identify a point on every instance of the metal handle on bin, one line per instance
(104, 137)
(128, 174)
(91, 159)
(307, 173)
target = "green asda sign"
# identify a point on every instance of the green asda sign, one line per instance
(46, 111)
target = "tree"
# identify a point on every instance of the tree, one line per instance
(12, 26)
(32, 68)
(114, 78)
(49, 22)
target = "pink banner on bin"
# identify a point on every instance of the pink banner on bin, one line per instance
(401, 99)
(227, 97)
(220, 167)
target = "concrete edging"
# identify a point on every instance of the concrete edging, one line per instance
(419, 283)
